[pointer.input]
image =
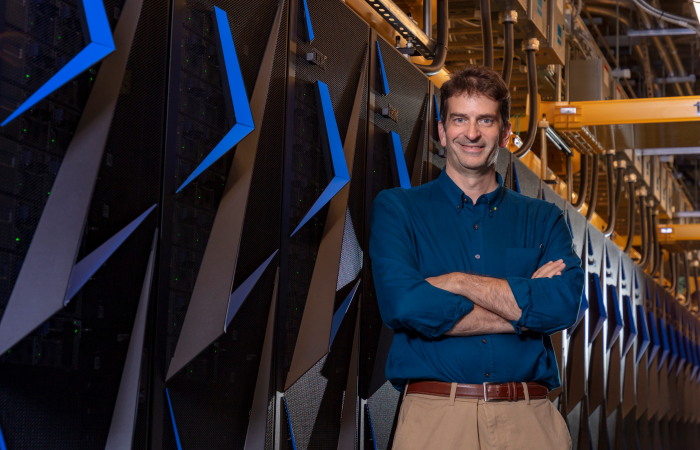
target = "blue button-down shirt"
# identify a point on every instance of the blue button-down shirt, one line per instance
(435, 229)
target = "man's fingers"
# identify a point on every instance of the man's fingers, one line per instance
(549, 270)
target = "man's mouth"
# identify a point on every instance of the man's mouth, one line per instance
(471, 147)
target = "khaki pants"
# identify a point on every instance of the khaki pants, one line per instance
(429, 422)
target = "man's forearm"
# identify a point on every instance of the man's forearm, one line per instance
(492, 294)
(480, 321)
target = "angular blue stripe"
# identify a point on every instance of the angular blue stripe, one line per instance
(644, 331)
(241, 293)
(233, 80)
(516, 183)
(437, 108)
(340, 313)
(665, 346)
(385, 82)
(341, 174)
(404, 179)
(615, 319)
(172, 417)
(309, 28)
(99, 44)
(289, 422)
(87, 57)
(682, 357)
(597, 306)
(324, 103)
(239, 97)
(233, 137)
(674, 347)
(91, 263)
(655, 342)
(2, 441)
(631, 328)
(98, 26)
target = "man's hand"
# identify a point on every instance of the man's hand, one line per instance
(550, 269)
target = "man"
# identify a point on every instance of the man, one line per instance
(473, 278)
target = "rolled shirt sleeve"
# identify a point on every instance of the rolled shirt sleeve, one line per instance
(405, 299)
(551, 304)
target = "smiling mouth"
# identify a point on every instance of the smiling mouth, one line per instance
(471, 147)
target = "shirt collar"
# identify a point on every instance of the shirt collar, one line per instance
(455, 194)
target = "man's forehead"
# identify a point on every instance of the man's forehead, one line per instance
(475, 103)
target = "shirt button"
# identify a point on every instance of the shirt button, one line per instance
(477, 257)
(488, 374)
(483, 340)
(476, 227)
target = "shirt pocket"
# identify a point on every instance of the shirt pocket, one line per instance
(522, 262)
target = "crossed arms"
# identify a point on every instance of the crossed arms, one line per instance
(459, 304)
(494, 303)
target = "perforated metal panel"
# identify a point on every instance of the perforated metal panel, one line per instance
(315, 400)
(71, 366)
(212, 396)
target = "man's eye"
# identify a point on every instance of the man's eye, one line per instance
(487, 121)
(459, 120)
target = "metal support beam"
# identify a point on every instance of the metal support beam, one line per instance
(683, 79)
(671, 151)
(661, 32)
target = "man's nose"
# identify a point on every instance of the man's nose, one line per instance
(472, 132)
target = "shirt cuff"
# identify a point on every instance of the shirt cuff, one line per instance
(454, 312)
(521, 291)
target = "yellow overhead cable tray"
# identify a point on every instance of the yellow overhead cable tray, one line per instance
(575, 115)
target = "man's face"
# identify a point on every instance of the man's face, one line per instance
(472, 133)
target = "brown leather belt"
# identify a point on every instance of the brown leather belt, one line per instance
(486, 392)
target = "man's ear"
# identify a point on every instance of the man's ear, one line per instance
(441, 133)
(505, 135)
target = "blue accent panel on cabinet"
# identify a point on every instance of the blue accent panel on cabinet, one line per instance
(665, 346)
(597, 315)
(397, 148)
(237, 98)
(615, 320)
(172, 417)
(675, 353)
(655, 342)
(516, 183)
(644, 331)
(289, 423)
(99, 44)
(385, 82)
(92, 262)
(309, 27)
(683, 356)
(437, 108)
(340, 313)
(581, 311)
(628, 320)
(2, 441)
(241, 293)
(341, 175)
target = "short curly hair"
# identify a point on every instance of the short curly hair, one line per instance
(476, 80)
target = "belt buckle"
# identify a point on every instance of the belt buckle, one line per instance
(485, 389)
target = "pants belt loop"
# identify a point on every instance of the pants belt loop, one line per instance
(527, 394)
(405, 390)
(453, 393)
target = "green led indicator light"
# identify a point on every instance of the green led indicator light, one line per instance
(27, 75)
(16, 239)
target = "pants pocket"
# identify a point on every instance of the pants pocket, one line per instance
(562, 428)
